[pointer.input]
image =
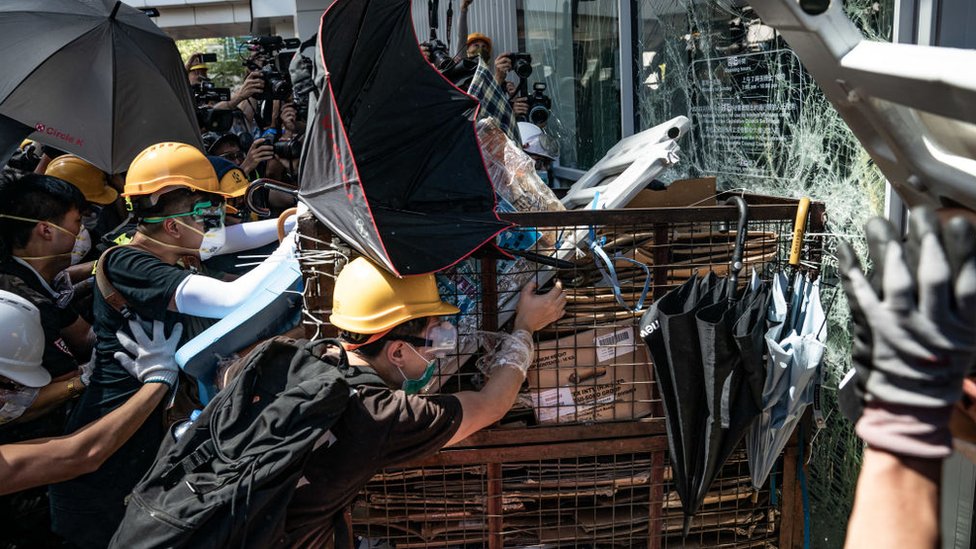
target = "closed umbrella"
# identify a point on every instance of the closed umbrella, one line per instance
(96, 78)
(792, 369)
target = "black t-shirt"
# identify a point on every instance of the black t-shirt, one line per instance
(23, 281)
(379, 429)
(88, 509)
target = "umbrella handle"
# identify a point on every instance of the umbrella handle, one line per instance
(735, 266)
(281, 221)
(799, 227)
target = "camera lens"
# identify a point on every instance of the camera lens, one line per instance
(523, 68)
(538, 115)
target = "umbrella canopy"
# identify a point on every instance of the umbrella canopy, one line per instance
(392, 164)
(792, 369)
(96, 78)
(733, 379)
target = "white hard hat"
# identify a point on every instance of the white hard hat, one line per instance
(537, 142)
(21, 341)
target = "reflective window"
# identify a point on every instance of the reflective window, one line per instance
(575, 48)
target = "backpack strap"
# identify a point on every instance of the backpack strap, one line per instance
(109, 293)
(352, 375)
(203, 455)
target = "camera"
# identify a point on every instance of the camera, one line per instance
(204, 92)
(287, 149)
(521, 64)
(273, 64)
(439, 56)
(539, 104)
(214, 120)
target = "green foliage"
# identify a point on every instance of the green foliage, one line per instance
(228, 70)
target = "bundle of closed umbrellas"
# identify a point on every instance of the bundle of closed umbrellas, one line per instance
(733, 364)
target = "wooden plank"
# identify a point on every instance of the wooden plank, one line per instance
(503, 454)
(563, 433)
(656, 504)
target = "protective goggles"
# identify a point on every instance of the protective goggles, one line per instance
(441, 339)
(209, 214)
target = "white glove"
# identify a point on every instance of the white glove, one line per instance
(154, 359)
(86, 372)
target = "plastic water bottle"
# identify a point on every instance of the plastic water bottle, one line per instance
(182, 427)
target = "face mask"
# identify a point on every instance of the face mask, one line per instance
(78, 251)
(544, 176)
(213, 240)
(90, 219)
(82, 246)
(414, 386)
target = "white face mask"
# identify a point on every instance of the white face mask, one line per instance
(213, 240)
(83, 245)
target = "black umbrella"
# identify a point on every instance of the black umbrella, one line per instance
(393, 164)
(96, 78)
(710, 379)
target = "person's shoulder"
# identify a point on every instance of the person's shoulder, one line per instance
(16, 284)
(384, 403)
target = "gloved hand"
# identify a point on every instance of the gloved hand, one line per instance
(922, 331)
(154, 359)
(86, 370)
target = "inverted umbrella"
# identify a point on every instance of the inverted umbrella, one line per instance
(392, 164)
(96, 78)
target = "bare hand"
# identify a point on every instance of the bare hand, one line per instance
(288, 115)
(521, 106)
(535, 311)
(466, 3)
(503, 64)
(425, 51)
(253, 85)
(260, 151)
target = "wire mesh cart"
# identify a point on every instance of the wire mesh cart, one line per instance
(582, 460)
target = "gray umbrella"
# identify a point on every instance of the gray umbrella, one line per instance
(96, 78)
(792, 368)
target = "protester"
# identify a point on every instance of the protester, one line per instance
(42, 234)
(44, 461)
(395, 327)
(916, 332)
(179, 206)
(542, 148)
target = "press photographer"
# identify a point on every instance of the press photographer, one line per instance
(534, 108)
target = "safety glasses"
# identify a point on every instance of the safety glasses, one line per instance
(211, 215)
(440, 338)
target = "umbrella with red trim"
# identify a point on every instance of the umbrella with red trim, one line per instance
(392, 163)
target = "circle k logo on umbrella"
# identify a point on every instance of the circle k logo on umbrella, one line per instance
(54, 132)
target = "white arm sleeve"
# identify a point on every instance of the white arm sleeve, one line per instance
(253, 234)
(207, 297)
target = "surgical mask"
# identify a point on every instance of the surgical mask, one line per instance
(414, 386)
(81, 246)
(544, 176)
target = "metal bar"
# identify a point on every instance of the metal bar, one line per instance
(535, 453)
(647, 215)
(318, 296)
(661, 260)
(495, 509)
(625, 29)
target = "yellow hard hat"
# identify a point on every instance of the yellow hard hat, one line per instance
(171, 165)
(198, 67)
(369, 300)
(91, 181)
(476, 36)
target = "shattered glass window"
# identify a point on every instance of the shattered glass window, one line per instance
(575, 46)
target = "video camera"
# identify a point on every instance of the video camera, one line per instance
(204, 92)
(268, 58)
(540, 104)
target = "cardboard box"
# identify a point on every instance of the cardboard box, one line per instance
(681, 192)
(597, 375)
